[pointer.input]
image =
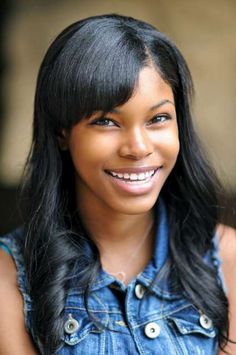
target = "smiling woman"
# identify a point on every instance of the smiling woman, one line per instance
(120, 250)
(142, 136)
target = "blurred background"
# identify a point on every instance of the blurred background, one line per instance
(204, 31)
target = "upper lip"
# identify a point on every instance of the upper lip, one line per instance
(134, 170)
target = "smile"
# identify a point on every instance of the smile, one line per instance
(133, 177)
(135, 181)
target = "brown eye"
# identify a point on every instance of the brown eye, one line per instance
(159, 119)
(103, 122)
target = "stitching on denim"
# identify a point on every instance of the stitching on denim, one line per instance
(173, 339)
(103, 343)
(197, 330)
(158, 290)
(178, 337)
(155, 317)
(105, 309)
(133, 322)
(93, 310)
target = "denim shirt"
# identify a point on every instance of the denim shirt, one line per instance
(138, 318)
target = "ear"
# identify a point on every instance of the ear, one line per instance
(63, 140)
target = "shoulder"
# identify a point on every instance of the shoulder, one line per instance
(10, 296)
(227, 245)
(11, 310)
(12, 300)
(13, 244)
(12, 262)
(227, 250)
(8, 272)
(10, 255)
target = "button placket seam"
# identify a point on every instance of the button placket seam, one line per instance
(180, 342)
(131, 322)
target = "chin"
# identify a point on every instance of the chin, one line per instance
(137, 206)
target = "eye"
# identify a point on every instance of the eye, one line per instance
(159, 119)
(104, 122)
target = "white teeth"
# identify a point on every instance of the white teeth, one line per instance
(134, 177)
(151, 172)
(141, 176)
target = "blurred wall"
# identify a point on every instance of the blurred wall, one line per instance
(204, 31)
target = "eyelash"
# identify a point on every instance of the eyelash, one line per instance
(100, 121)
(161, 119)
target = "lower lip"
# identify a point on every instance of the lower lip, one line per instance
(135, 187)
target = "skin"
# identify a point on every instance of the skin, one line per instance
(142, 133)
(14, 339)
(141, 137)
(227, 248)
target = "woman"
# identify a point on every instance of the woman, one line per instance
(121, 248)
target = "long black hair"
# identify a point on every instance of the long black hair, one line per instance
(94, 65)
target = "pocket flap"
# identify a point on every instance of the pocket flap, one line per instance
(82, 327)
(187, 321)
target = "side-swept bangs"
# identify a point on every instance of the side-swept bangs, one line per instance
(96, 69)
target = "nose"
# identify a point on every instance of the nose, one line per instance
(136, 144)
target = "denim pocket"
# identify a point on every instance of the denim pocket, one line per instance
(193, 332)
(188, 321)
(83, 326)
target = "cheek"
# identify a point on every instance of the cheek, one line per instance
(89, 150)
(168, 145)
(175, 146)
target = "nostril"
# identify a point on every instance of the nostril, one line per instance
(136, 148)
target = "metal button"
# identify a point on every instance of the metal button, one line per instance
(71, 325)
(139, 291)
(152, 330)
(205, 321)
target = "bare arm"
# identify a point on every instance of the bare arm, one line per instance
(227, 247)
(14, 339)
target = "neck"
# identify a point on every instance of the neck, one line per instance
(113, 229)
(125, 242)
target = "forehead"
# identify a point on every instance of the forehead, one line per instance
(150, 79)
(150, 91)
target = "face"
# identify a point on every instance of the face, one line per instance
(122, 160)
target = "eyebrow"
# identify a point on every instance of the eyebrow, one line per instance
(159, 104)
